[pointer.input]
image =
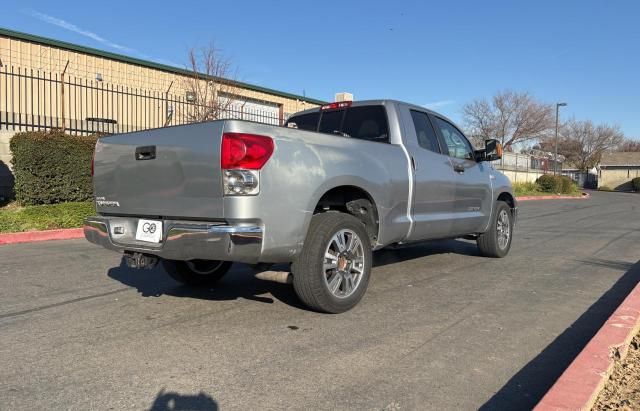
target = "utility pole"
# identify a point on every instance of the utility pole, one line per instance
(555, 158)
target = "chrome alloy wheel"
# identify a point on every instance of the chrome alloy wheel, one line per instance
(344, 263)
(503, 229)
(203, 267)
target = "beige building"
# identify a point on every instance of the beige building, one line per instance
(47, 80)
(47, 84)
(616, 170)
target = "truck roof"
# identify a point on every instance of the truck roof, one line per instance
(382, 102)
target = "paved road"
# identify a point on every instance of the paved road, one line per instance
(440, 327)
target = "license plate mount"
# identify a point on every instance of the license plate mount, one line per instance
(149, 231)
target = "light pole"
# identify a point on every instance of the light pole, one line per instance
(555, 159)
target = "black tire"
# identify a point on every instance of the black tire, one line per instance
(310, 280)
(196, 272)
(488, 242)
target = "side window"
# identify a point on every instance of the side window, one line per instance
(307, 121)
(424, 130)
(331, 121)
(457, 144)
(366, 123)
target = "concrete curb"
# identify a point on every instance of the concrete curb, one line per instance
(578, 387)
(32, 236)
(584, 196)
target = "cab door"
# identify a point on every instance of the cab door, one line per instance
(433, 178)
(473, 193)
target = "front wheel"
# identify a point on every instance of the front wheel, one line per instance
(332, 272)
(496, 242)
(196, 272)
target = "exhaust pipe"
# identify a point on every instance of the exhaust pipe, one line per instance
(283, 277)
(139, 260)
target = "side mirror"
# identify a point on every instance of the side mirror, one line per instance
(492, 151)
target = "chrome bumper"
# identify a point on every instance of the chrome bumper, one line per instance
(182, 240)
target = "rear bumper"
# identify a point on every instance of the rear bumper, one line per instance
(182, 240)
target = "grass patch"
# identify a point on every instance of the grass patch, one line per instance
(527, 189)
(530, 189)
(15, 218)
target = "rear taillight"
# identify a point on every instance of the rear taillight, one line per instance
(245, 151)
(241, 158)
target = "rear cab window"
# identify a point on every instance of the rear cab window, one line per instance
(367, 122)
(307, 121)
(425, 133)
(331, 121)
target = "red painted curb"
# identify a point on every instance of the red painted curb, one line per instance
(31, 236)
(558, 197)
(578, 387)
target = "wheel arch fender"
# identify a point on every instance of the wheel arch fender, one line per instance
(352, 195)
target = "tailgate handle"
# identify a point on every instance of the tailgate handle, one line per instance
(145, 153)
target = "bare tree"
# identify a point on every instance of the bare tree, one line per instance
(210, 87)
(584, 142)
(629, 145)
(510, 117)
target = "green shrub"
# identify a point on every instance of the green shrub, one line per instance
(636, 183)
(52, 167)
(568, 186)
(557, 184)
(604, 188)
(549, 183)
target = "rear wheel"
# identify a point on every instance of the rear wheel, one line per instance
(196, 272)
(496, 242)
(332, 272)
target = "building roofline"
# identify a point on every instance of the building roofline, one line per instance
(140, 62)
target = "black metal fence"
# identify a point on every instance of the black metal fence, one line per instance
(526, 162)
(37, 100)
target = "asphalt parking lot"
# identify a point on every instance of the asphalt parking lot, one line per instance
(440, 327)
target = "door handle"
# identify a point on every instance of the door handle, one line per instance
(146, 153)
(458, 168)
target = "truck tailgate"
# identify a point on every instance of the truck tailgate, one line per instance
(166, 172)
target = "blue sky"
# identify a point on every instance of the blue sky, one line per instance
(440, 55)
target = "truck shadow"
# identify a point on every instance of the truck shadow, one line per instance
(398, 254)
(527, 387)
(172, 401)
(240, 283)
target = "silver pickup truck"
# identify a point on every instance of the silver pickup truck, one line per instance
(320, 193)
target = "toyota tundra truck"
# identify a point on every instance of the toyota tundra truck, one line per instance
(316, 196)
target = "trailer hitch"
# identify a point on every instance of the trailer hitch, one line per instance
(140, 260)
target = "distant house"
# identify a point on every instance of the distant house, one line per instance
(616, 170)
